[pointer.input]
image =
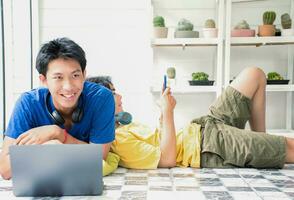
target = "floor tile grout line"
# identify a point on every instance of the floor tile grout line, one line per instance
(249, 184)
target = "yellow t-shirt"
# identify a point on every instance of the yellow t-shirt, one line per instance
(110, 164)
(139, 147)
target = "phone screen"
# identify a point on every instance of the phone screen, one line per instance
(164, 82)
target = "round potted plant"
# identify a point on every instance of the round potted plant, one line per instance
(185, 30)
(242, 29)
(159, 30)
(209, 30)
(267, 29)
(286, 24)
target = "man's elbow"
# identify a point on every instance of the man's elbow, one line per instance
(5, 173)
(5, 169)
(167, 163)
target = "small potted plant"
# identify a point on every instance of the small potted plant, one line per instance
(242, 29)
(209, 30)
(276, 78)
(171, 74)
(286, 24)
(267, 29)
(200, 78)
(159, 30)
(185, 30)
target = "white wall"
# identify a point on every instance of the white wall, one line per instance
(1, 77)
(115, 37)
(17, 45)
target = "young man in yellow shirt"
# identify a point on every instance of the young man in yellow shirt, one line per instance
(217, 140)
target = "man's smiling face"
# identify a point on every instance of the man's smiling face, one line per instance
(65, 81)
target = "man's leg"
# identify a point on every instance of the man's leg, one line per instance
(251, 82)
(289, 150)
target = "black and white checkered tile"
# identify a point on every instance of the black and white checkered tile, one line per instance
(189, 183)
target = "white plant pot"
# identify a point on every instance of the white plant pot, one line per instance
(287, 32)
(209, 32)
(160, 32)
(186, 34)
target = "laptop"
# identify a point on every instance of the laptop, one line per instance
(56, 170)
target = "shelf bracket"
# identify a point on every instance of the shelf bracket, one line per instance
(183, 46)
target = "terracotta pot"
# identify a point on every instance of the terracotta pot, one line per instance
(242, 33)
(266, 30)
(160, 32)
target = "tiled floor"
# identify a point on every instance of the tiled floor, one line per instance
(189, 183)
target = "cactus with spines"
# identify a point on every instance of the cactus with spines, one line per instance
(269, 17)
(184, 25)
(158, 21)
(242, 25)
(209, 23)
(286, 21)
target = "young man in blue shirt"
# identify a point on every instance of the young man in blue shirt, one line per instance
(69, 110)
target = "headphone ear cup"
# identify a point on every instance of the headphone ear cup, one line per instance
(77, 115)
(57, 118)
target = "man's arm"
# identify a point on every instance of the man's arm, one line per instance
(42, 134)
(105, 150)
(168, 137)
(5, 169)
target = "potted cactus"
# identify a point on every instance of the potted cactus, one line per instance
(185, 30)
(242, 29)
(209, 30)
(267, 29)
(286, 24)
(159, 30)
(171, 73)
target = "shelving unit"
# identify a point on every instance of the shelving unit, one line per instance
(258, 42)
(185, 42)
(196, 43)
(188, 89)
(223, 45)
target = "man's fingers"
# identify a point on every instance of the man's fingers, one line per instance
(24, 141)
(166, 91)
(20, 138)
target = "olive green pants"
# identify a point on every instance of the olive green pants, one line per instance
(226, 144)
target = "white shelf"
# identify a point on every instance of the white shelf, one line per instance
(258, 41)
(187, 89)
(281, 132)
(185, 42)
(280, 88)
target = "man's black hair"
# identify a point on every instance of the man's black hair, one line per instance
(59, 48)
(102, 80)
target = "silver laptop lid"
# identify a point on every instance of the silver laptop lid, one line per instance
(56, 170)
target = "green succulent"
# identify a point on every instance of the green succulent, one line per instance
(269, 17)
(171, 72)
(158, 21)
(209, 23)
(274, 76)
(286, 21)
(184, 25)
(242, 25)
(199, 76)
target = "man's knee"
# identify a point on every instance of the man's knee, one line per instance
(257, 74)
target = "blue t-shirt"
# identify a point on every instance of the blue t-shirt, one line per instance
(96, 126)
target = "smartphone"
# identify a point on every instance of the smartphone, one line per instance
(164, 82)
